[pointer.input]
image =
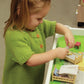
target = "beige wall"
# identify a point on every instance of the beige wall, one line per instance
(62, 11)
(4, 13)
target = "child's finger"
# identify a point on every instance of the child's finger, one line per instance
(71, 44)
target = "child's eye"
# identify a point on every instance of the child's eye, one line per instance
(39, 19)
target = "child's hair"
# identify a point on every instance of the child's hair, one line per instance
(25, 7)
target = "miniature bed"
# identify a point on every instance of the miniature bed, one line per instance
(70, 76)
(49, 66)
(74, 58)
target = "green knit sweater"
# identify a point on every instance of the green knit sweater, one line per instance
(20, 46)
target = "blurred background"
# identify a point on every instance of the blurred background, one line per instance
(62, 11)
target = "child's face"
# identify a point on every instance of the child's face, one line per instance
(37, 18)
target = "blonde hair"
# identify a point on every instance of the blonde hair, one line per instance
(26, 8)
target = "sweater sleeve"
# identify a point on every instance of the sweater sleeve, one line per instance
(19, 48)
(49, 27)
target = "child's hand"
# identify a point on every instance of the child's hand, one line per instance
(69, 39)
(61, 52)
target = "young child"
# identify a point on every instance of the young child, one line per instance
(25, 34)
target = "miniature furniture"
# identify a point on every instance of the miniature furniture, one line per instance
(49, 65)
(74, 57)
(77, 45)
(63, 76)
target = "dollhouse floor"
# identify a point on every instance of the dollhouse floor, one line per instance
(59, 63)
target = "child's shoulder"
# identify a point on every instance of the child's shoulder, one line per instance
(14, 34)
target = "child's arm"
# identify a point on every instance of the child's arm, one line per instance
(61, 29)
(42, 58)
(61, 53)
